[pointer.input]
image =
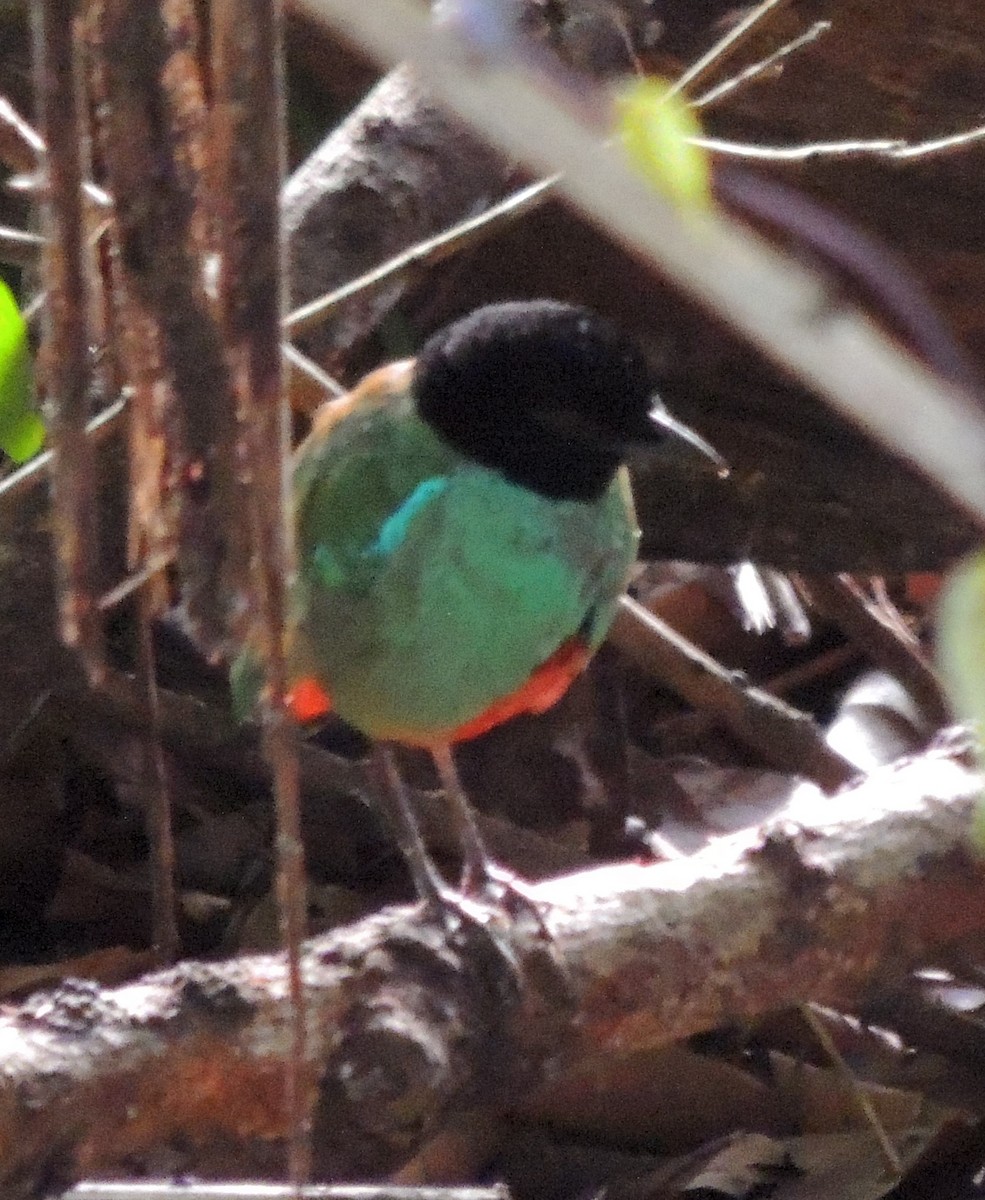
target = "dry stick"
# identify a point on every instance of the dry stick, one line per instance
(145, 574)
(689, 728)
(842, 601)
(724, 49)
(160, 832)
(21, 146)
(778, 304)
(22, 149)
(163, 1189)
(312, 371)
(858, 1095)
(65, 360)
(784, 736)
(425, 253)
(756, 69)
(820, 665)
(20, 248)
(895, 148)
(247, 41)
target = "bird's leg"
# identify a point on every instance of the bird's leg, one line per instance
(479, 875)
(486, 882)
(390, 789)
(482, 878)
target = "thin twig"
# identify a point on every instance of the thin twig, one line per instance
(135, 581)
(896, 148)
(20, 248)
(726, 46)
(312, 371)
(884, 641)
(860, 1098)
(163, 1189)
(727, 86)
(21, 146)
(247, 41)
(65, 360)
(425, 253)
(160, 832)
(22, 149)
(784, 736)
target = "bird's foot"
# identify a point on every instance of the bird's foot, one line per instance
(488, 886)
(488, 883)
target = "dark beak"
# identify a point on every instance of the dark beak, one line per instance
(664, 425)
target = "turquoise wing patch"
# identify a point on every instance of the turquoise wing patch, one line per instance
(394, 530)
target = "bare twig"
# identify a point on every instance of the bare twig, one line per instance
(65, 359)
(727, 86)
(858, 1095)
(22, 149)
(21, 146)
(899, 654)
(895, 148)
(150, 570)
(784, 736)
(247, 37)
(326, 385)
(160, 833)
(20, 248)
(425, 253)
(727, 46)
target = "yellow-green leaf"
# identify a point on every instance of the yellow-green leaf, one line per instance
(658, 128)
(21, 430)
(961, 653)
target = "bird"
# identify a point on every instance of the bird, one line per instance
(464, 529)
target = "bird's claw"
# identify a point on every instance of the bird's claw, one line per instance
(507, 892)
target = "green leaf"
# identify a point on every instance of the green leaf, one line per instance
(961, 654)
(658, 128)
(21, 429)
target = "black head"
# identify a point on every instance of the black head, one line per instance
(547, 393)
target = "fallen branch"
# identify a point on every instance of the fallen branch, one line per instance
(408, 1024)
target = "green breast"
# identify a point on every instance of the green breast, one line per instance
(429, 587)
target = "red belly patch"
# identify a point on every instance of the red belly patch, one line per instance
(542, 691)
(308, 701)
